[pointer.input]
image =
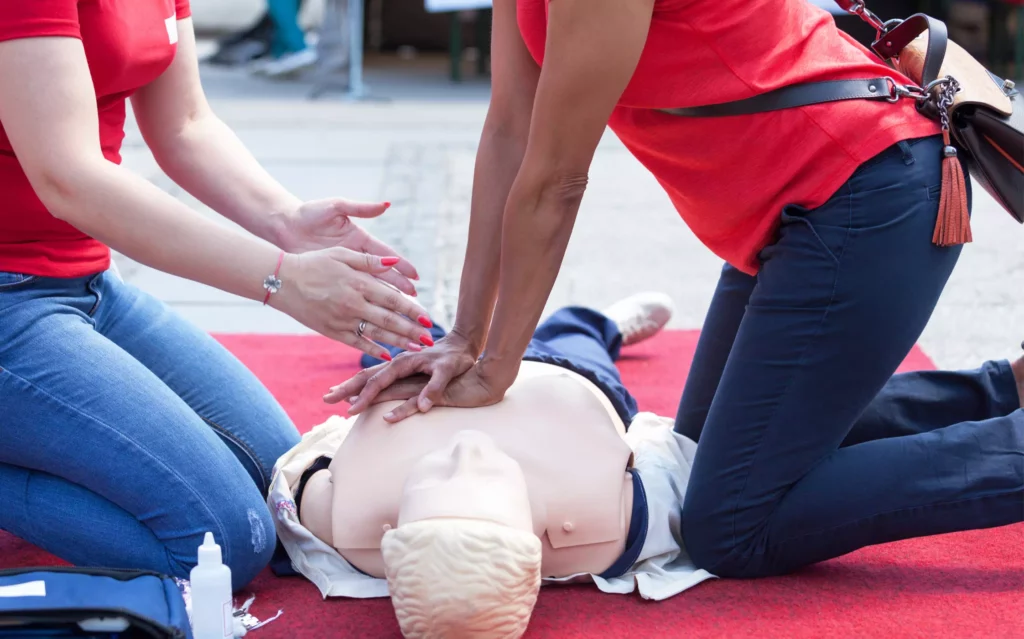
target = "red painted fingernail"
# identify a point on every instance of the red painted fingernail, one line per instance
(426, 340)
(425, 321)
(385, 356)
(387, 205)
(390, 261)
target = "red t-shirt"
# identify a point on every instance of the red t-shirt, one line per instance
(128, 44)
(731, 177)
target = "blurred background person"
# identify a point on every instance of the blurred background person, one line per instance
(289, 50)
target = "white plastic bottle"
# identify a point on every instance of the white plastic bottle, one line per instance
(212, 605)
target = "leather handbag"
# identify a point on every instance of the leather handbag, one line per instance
(981, 115)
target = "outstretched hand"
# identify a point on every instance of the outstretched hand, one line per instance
(444, 375)
(321, 224)
(338, 293)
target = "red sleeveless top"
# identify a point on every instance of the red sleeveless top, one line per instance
(729, 178)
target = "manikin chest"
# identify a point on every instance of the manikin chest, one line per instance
(562, 431)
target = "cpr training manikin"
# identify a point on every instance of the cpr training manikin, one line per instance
(459, 515)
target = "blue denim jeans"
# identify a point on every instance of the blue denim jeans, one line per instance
(808, 447)
(126, 432)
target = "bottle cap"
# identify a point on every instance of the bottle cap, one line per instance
(209, 552)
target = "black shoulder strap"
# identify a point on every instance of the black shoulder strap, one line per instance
(793, 96)
(888, 45)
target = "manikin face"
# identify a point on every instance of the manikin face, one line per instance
(468, 478)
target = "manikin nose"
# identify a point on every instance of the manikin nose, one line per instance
(470, 445)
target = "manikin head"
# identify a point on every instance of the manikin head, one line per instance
(463, 562)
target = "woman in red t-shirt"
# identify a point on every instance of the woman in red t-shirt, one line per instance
(126, 432)
(808, 447)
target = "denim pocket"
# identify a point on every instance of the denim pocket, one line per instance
(796, 222)
(799, 269)
(11, 281)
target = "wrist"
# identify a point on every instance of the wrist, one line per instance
(278, 225)
(474, 339)
(289, 276)
(500, 370)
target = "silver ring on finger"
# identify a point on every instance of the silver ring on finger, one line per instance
(361, 328)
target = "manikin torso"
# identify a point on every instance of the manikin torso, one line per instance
(559, 427)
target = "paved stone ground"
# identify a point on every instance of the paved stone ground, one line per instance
(414, 145)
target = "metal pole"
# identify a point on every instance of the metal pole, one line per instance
(356, 89)
(455, 47)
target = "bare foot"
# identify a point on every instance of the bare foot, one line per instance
(1018, 372)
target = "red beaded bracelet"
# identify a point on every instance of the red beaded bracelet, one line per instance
(272, 282)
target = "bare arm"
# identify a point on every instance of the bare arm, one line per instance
(592, 49)
(498, 160)
(499, 157)
(48, 108)
(201, 153)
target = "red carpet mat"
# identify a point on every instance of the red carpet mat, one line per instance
(962, 585)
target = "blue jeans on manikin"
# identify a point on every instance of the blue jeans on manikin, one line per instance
(126, 433)
(808, 447)
(579, 339)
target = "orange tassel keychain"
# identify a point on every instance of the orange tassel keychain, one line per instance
(953, 225)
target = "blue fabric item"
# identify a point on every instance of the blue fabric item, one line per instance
(119, 413)
(637, 535)
(579, 339)
(808, 446)
(287, 36)
(281, 563)
(147, 600)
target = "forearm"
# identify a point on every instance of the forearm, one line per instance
(136, 218)
(208, 160)
(538, 223)
(497, 163)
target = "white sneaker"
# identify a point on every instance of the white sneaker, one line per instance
(640, 316)
(289, 63)
(259, 65)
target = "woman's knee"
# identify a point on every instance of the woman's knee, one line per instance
(244, 530)
(250, 543)
(713, 545)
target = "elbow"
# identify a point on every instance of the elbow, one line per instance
(60, 189)
(56, 191)
(172, 143)
(562, 190)
(569, 186)
(554, 180)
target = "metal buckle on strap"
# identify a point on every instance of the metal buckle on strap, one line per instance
(861, 10)
(898, 91)
(867, 15)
